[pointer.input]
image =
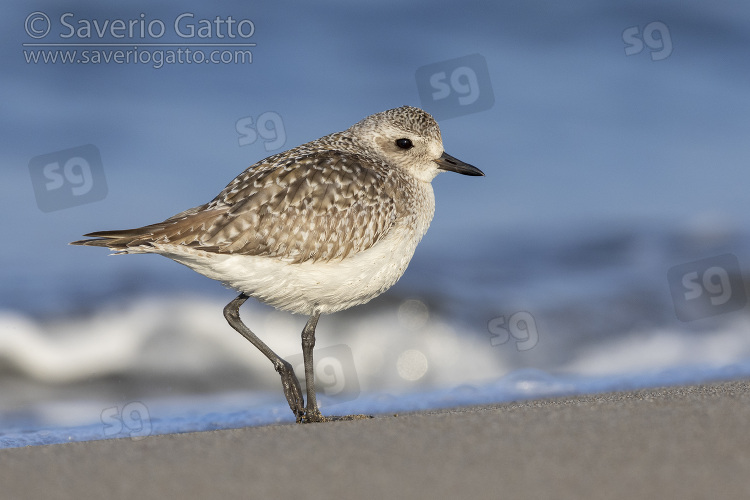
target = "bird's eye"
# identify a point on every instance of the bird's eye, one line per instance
(404, 143)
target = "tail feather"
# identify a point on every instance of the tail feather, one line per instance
(122, 239)
(179, 229)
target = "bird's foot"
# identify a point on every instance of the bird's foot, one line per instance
(316, 416)
(312, 416)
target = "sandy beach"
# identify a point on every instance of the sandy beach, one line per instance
(678, 442)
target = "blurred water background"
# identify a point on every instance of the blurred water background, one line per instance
(607, 248)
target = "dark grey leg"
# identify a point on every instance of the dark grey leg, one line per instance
(308, 343)
(292, 389)
(312, 414)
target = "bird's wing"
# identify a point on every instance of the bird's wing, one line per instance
(318, 207)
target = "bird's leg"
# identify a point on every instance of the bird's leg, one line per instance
(292, 389)
(312, 413)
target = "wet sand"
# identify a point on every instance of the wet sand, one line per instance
(678, 442)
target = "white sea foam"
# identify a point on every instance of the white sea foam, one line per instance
(663, 348)
(189, 336)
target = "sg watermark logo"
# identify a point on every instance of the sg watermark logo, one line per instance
(68, 178)
(655, 36)
(132, 421)
(335, 376)
(707, 287)
(520, 326)
(455, 87)
(268, 126)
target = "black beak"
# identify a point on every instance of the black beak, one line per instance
(447, 162)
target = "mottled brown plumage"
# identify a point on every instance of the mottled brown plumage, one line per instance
(293, 210)
(294, 206)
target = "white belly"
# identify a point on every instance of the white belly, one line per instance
(305, 287)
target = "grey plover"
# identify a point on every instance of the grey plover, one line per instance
(317, 229)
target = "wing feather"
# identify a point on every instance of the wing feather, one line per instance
(317, 207)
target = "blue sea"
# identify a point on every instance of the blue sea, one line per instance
(607, 248)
